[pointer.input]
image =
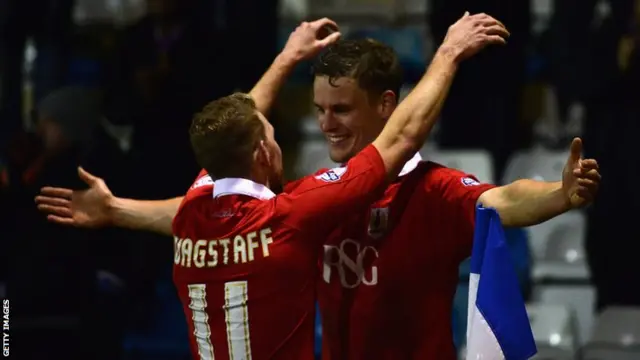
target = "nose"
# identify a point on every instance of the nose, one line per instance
(327, 122)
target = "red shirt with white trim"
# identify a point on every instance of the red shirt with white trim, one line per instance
(245, 263)
(389, 274)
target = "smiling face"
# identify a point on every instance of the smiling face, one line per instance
(348, 117)
(354, 91)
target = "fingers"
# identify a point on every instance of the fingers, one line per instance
(59, 211)
(488, 20)
(56, 192)
(60, 220)
(88, 178)
(324, 22)
(496, 40)
(588, 169)
(585, 194)
(55, 201)
(330, 39)
(497, 30)
(589, 164)
(576, 148)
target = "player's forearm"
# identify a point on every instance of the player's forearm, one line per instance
(527, 202)
(154, 216)
(410, 124)
(265, 92)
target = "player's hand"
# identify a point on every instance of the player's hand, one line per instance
(472, 33)
(580, 177)
(87, 208)
(310, 38)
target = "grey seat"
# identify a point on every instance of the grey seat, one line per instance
(616, 335)
(554, 331)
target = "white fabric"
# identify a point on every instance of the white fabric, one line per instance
(483, 345)
(237, 186)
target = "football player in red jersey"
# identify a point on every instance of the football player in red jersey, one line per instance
(388, 275)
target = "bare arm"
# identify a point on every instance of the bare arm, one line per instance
(97, 207)
(303, 44)
(265, 92)
(410, 124)
(155, 216)
(529, 202)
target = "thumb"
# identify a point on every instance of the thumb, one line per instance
(575, 151)
(86, 177)
(330, 39)
(466, 14)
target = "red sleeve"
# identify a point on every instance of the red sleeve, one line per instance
(321, 202)
(291, 186)
(460, 192)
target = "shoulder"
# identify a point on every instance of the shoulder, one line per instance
(202, 187)
(434, 175)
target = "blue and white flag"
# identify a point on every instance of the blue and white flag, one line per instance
(498, 326)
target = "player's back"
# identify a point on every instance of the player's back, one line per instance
(245, 259)
(246, 286)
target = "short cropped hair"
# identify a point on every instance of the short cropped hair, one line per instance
(224, 135)
(374, 65)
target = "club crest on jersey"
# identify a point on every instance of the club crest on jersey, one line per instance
(378, 222)
(467, 181)
(332, 175)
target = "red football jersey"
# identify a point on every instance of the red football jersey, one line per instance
(389, 275)
(245, 261)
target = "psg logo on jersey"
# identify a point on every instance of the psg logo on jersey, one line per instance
(378, 222)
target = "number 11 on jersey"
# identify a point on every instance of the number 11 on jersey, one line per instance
(236, 318)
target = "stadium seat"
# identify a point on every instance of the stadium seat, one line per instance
(476, 162)
(537, 164)
(313, 155)
(554, 331)
(580, 298)
(616, 335)
(558, 248)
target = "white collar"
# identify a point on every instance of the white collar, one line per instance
(237, 186)
(231, 186)
(410, 165)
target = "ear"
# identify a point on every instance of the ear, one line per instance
(262, 154)
(388, 103)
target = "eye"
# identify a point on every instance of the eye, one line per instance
(341, 109)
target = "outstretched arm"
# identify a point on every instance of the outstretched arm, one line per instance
(411, 123)
(97, 207)
(155, 216)
(529, 202)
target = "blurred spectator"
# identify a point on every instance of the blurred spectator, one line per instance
(574, 25)
(52, 269)
(49, 23)
(168, 66)
(484, 104)
(612, 125)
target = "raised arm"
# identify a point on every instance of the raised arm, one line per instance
(409, 125)
(97, 207)
(304, 43)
